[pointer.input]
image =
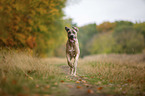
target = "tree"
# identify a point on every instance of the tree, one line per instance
(35, 24)
(127, 40)
(101, 43)
(84, 36)
(106, 27)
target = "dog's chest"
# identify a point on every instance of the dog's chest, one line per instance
(72, 51)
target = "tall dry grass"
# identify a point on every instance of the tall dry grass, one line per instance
(12, 61)
(124, 73)
(21, 73)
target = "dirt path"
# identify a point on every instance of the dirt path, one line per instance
(78, 86)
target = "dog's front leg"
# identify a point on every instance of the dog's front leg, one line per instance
(75, 64)
(70, 64)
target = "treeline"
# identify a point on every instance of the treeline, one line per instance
(38, 25)
(32, 24)
(115, 37)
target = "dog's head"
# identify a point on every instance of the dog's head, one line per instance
(72, 33)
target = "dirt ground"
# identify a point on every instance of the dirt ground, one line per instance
(79, 85)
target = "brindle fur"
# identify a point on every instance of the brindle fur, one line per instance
(72, 51)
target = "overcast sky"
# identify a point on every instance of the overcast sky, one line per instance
(98, 11)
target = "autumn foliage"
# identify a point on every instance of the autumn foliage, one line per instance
(34, 24)
(38, 25)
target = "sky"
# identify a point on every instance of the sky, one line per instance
(84, 12)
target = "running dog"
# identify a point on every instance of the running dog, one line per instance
(72, 49)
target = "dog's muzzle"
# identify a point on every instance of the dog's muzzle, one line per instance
(72, 38)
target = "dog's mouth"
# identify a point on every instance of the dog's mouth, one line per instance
(72, 39)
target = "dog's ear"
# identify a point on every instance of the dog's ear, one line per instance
(67, 29)
(75, 28)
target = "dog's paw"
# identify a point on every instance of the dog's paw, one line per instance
(74, 75)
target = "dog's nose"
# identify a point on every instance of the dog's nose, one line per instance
(71, 36)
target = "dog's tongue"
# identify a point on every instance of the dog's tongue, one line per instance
(72, 40)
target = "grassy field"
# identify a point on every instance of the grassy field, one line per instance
(24, 75)
(116, 74)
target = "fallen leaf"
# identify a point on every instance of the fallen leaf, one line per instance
(92, 77)
(84, 81)
(80, 79)
(90, 91)
(30, 78)
(47, 86)
(14, 82)
(129, 80)
(100, 88)
(77, 81)
(110, 81)
(79, 87)
(29, 71)
(55, 83)
(37, 86)
(142, 81)
(26, 75)
(6, 71)
(62, 81)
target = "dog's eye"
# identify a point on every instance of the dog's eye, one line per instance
(69, 32)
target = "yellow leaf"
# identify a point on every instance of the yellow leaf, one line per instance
(79, 87)
(30, 78)
(77, 81)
